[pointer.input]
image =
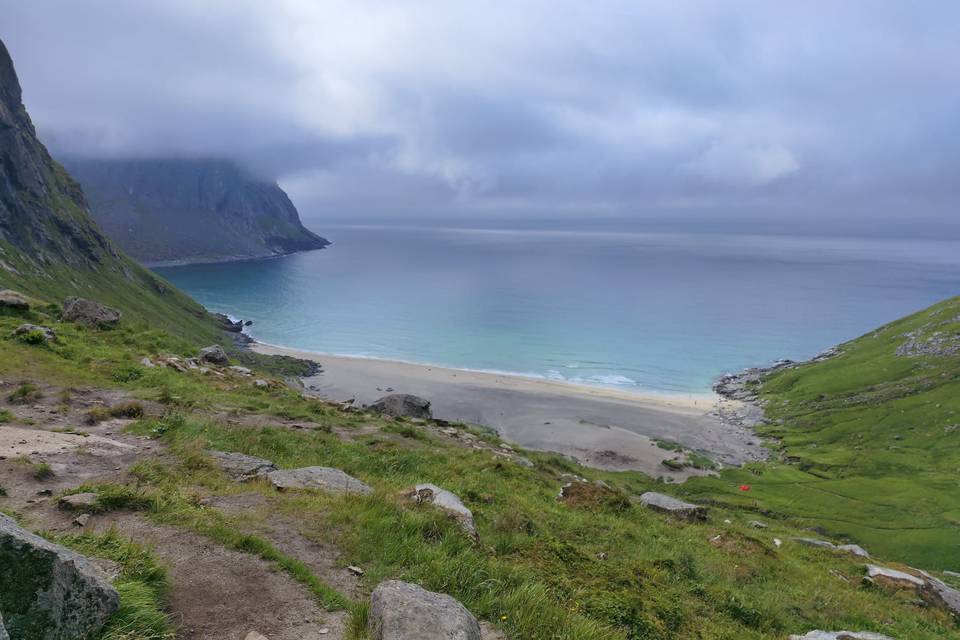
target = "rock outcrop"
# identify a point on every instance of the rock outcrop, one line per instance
(190, 210)
(404, 611)
(855, 549)
(48, 334)
(49, 591)
(324, 478)
(402, 405)
(89, 313)
(214, 354)
(427, 493)
(677, 508)
(13, 300)
(242, 467)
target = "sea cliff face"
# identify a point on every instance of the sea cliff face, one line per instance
(191, 210)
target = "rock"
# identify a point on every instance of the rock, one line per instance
(403, 611)
(668, 504)
(262, 384)
(449, 502)
(46, 586)
(255, 635)
(78, 501)
(756, 524)
(214, 354)
(81, 520)
(241, 370)
(357, 571)
(148, 363)
(240, 466)
(894, 577)
(89, 313)
(855, 549)
(325, 478)
(48, 334)
(947, 595)
(227, 324)
(13, 300)
(524, 462)
(401, 405)
(3, 630)
(841, 635)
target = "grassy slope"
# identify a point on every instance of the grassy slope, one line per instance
(869, 446)
(536, 573)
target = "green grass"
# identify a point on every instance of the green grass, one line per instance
(5, 416)
(142, 585)
(598, 568)
(867, 446)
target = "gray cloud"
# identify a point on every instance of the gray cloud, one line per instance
(601, 108)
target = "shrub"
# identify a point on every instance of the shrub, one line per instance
(127, 373)
(130, 410)
(42, 471)
(25, 394)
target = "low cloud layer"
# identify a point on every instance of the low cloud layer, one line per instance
(820, 109)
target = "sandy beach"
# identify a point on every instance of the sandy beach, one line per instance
(600, 427)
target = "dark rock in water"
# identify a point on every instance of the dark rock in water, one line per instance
(324, 478)
(403, 405)
(13, 300)
(48, 591)
(214, 354)
(247, 323)
(89, 313)
(227, 324)
(404, 611)
(242, 467)
(672, 506)
(48, 334)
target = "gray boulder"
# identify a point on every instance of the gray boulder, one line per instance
(78, 501)
(404, 611)
(446, 500)
(400, 405)
(48, 334)
(48, 591)
(89, 313)
(841, 635)
(242, 467)
(855, 549)
(214, 354)
(325, 478)
(13, 300)
(668, 504)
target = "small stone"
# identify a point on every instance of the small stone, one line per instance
(81, 520)
(262, 384)
(446, 500)
(240, 466)
(669, 504)
(78, 501)
(357, 571)
(241, 370)
(148, 363)
(756, 524)
(254, 635)
(777, 542)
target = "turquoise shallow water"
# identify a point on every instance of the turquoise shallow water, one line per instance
(650, 312)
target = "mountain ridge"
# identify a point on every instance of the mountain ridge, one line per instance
(191, 210)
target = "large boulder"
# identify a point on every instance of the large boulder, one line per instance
(13, 300)
(89, 313)
(214, 354)
(668, 504)
(446, 500)
(242, 467)
(324, 478)
(403, 405)
(48, 591)
(404, 611)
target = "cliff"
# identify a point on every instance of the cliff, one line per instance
(191, 210)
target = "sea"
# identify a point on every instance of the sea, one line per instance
(636, 311)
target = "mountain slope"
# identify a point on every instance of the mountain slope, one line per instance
(51, 248)
(868, 442)
(190, 210)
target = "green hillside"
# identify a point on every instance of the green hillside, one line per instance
(867, 442)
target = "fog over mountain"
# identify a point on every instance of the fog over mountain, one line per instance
(825, 115)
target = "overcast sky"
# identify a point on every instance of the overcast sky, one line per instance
(810, 110)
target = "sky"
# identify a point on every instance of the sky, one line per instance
(821, 113)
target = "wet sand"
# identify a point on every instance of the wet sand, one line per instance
(603, 428)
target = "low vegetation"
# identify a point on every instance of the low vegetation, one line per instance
(592, 566)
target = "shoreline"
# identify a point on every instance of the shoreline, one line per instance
(597, 426)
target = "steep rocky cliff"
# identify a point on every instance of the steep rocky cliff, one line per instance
(191, 210)
(51, 248)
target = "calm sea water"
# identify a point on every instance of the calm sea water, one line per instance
(650, 312)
